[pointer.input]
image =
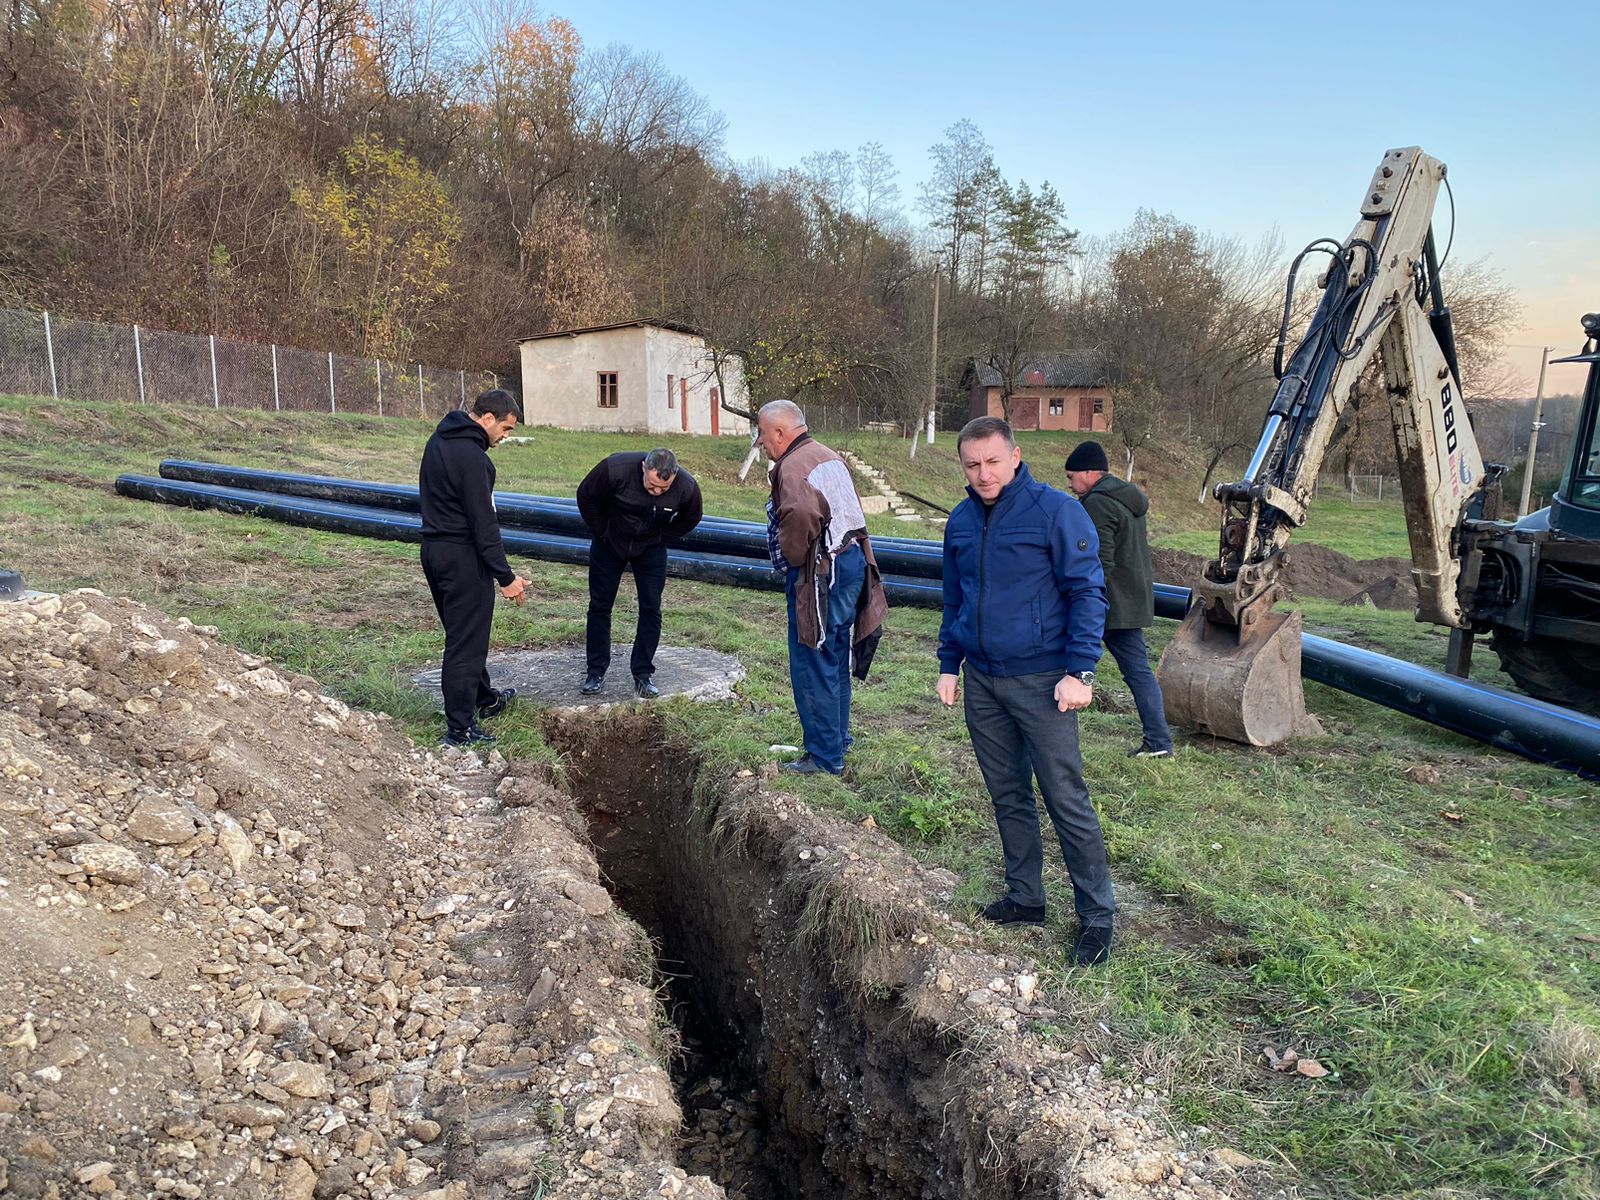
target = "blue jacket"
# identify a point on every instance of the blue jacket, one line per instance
(1023, 588)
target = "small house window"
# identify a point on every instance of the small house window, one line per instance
(1099, 406)
(1058, 406)
(608, 388)
(672, 400)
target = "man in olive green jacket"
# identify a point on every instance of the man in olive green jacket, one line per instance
(1118, 510)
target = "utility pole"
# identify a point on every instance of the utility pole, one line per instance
(933, 363)
(1533, 437)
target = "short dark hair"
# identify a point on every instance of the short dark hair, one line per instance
(979, 428)
(498, 402)
(663, 462)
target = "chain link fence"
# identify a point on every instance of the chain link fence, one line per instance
(46, 355)
(1359, 489)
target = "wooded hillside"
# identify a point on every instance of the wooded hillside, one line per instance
(428, 182)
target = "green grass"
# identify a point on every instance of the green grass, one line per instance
(1360, 531)
(1313, 896)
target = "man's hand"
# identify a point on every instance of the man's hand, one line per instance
(516, 591)
(949, 688)
(1072, 694)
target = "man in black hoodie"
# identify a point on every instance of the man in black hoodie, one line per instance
(1118, 510)
(463, 558)
(634, 504)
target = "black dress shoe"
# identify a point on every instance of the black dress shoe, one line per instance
(503, 699)
(1007, 912)
(1093, 945)
(592, 683)
(645, 687)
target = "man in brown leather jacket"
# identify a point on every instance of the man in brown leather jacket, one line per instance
(836, 603)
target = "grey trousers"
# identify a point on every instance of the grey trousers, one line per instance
(1017, 733)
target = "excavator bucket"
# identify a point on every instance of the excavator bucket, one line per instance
(1243, 685)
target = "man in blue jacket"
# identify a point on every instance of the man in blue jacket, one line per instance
(1024, 610)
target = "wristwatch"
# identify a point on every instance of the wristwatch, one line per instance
(1084, 677)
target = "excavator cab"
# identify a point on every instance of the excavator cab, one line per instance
(1575, 509)
(1533, 586)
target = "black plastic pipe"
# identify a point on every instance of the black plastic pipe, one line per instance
(1520, 724)
(335, 517)
(403, 497)
(716, 535)
(1508, 720)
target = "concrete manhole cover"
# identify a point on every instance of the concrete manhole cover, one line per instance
(552, 677)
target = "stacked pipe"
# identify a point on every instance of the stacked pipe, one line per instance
(737, 562)
(914, 557)
(724, 550)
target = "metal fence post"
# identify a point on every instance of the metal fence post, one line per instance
(422, 405)
(277, 401)
(333, 402)
(50, 350)
(216, 396)
(377, 365)
(138, 362)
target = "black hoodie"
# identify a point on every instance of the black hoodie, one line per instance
(457, 492)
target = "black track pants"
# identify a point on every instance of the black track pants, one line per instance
(463, 592)
(605, 576)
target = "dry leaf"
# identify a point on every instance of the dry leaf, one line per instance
(1574, 1088)
(1284, 1062)
(1465, 899)
(1448, 815)
(1422, 773)
(1311, 1068)
(1588, 937)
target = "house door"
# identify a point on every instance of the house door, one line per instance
(683, 402)
(1085, 413)
(1025, 412)
(716, 412)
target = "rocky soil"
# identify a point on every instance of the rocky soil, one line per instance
(260, 946)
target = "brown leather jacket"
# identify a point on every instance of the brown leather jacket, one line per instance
(818, 514)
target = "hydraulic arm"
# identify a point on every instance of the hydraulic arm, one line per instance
(1234, 667)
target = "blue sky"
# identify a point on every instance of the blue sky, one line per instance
(1239, 118)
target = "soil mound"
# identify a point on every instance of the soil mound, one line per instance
(1315, 571)
(260, 946)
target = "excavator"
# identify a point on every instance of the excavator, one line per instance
(1532, 586)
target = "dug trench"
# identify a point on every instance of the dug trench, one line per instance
(839, 1034)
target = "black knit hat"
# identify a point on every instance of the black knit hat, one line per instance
(1089, 456)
